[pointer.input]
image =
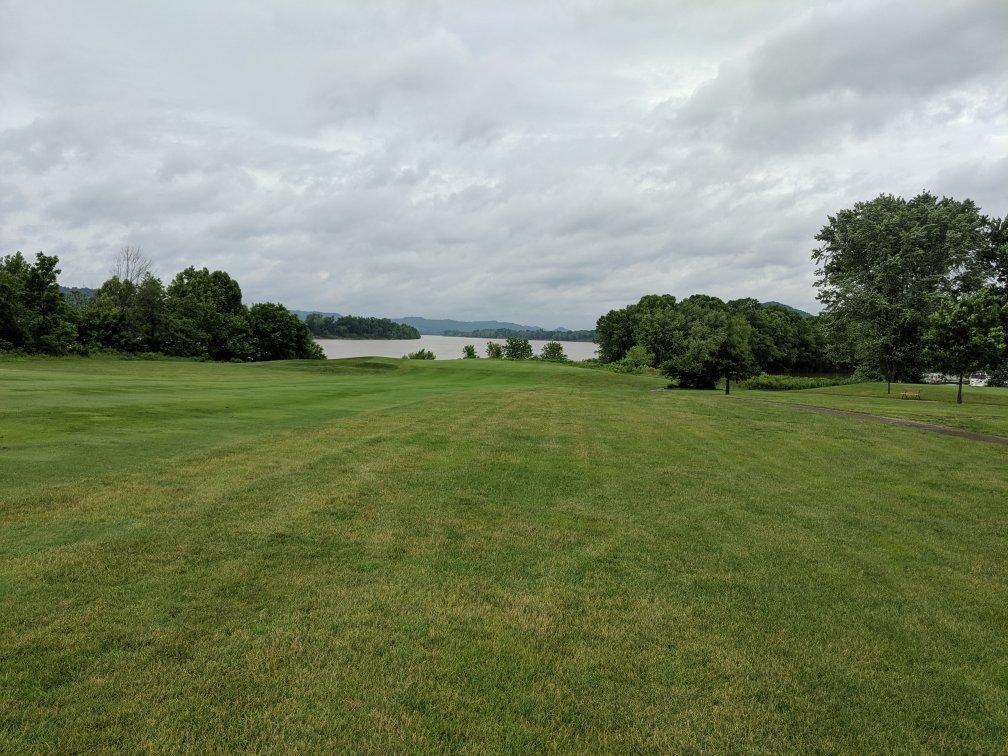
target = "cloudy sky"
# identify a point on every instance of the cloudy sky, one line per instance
(537, 162)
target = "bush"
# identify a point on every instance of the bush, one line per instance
(518, 349)
(553, 351)
(469, 352)
(420, 354)
(999, 377)
(494, 350)
(764, 382)
(637, 360)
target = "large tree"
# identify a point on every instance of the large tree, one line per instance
(882, 266)
(964, 333)
(708, 343)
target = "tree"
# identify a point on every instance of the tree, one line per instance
(34, 316)
(131, 265)
(618, 330)
(207, 317)
(553, 351)
(518, 349)
(882, 265)
(279, 334)
(715, 345)
(965, 334)
(494, 350)
(469, 352)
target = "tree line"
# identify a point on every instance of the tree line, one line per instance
(538, 334)
(357, 327)
(906, 285)
(701, 339)
(198, 314)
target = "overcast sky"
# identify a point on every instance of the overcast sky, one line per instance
(535, 162)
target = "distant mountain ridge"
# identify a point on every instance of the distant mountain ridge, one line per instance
(435, 327)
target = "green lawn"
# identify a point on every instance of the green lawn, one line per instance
(486, 556)
(983, 409)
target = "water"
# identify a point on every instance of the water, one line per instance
(444, 347)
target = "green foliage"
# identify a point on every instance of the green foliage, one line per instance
(553, 351)
(279, 334)
(999, 376)
(200, 315)
(518, 349)
(494, 350)
(765, 382)
(637, 361)
(34, 316)
(469, 352)
(356, 327)
(420, 354)
(882, 266)
(713, 343)
(964, 333)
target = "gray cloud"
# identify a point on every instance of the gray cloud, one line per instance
(531, 163)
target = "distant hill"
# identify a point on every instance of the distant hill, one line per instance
(432, 327)
(305, 313)
(77, 293)
(788, 307)
(438, 327)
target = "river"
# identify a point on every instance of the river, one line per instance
(444, 347)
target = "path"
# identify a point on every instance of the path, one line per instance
(898, 421)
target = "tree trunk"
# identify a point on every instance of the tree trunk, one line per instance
(959, 394)
(727, 383)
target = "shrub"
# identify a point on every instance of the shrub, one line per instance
(553, 351)
(469, 352)
(420, 354)
(999, 376)
(518, 349)
(494, 350)
(764, 382)
(637, 360)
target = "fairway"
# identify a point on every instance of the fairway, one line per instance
(481, 555)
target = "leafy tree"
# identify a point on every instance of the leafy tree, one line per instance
(34, 316)
(518, 349)
(618, 330)
(882, 265)
(965, 334)
(207, 317)
(553, 351)
(716, 345)
(494, 350)
(469, 352)
(279, 334)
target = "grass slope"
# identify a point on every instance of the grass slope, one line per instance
(495, 556)
(984, 410)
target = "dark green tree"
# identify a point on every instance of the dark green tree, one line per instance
(715, 345)
(553, 351)
(494, 350)
(881, 267)
(965, 333)
(518, 349)
(469, 352)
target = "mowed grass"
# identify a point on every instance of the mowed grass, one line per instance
(378, 555)
(984, 409)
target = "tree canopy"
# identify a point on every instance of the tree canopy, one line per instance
(199, 314)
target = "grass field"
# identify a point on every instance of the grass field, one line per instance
(385, 555)
(984, 410)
